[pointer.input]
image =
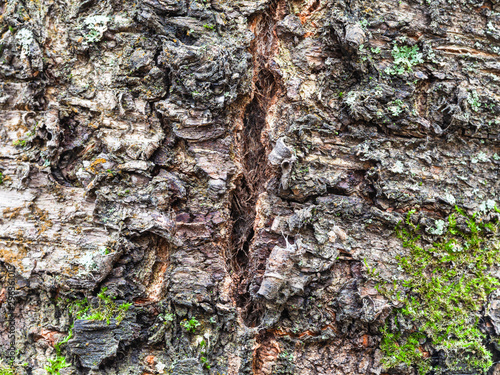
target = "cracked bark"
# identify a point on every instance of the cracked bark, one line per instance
(236, 162)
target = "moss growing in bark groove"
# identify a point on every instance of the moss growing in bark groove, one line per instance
(190, 325)
(60, 361)
(446, 285)
(107, 309)
(81, 309)
(56, 364)
(6, 369)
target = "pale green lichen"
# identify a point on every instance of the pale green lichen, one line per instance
(473, 100)
(405, 58)
(89, 261)
(25, 39)
(398, 167)
(487, 205)
(96, 26)
(439, 229)
(351, 98)
(396, 107)
(481, 157)
(449, 198)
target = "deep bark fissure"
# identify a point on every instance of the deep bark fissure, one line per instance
(253, 153)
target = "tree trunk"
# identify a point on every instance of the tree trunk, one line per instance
(215, 186)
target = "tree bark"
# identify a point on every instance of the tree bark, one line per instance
(234, 170)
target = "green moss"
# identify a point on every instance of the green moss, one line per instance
(5, 369)
(447, 282)
(59, 361)
(400, 350)
(19, 142)
(106, 310)
(81, 309)
(190, 325)
(204, 361)
(56, 364)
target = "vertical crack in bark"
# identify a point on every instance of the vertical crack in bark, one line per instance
(253, 152)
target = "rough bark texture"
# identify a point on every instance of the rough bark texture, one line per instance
(233, 162)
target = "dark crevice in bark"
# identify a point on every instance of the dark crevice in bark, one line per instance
(252, 180)
(246, 194)
(253, 155)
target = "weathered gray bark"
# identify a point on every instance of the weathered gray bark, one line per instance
(232, 161)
